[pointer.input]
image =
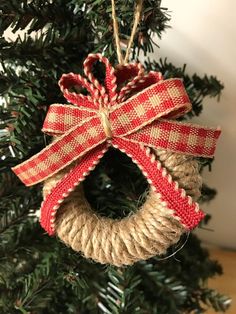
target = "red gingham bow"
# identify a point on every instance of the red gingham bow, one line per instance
(129, 116)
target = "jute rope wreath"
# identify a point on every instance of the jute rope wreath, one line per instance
(133, 112)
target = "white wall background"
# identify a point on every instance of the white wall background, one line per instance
(203, 35)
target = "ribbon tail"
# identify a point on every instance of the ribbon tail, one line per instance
(182, 206)
(62, 152)
(190, 139)
(65, 186)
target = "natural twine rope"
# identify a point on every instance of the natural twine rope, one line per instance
(137, 15)
(148, 232)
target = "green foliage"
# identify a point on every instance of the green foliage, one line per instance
(38, 274)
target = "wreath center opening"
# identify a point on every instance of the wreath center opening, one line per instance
(116, 188)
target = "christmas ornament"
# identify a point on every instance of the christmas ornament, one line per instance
(133, 112)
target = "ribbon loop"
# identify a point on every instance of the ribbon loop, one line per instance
(71, 80)
(107, 93)
(100, 96)
(157, 100)
(131, 79)
(61, 118)
(127, 77)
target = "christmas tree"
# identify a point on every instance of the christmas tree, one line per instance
(38, 273)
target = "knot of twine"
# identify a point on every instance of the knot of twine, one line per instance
(104, 115)
(148, 232)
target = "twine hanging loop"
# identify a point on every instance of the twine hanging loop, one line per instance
(137, 16)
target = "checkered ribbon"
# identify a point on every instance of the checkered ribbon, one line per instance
(130, 109)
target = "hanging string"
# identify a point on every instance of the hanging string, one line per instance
(137, 15)
(116, 33)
